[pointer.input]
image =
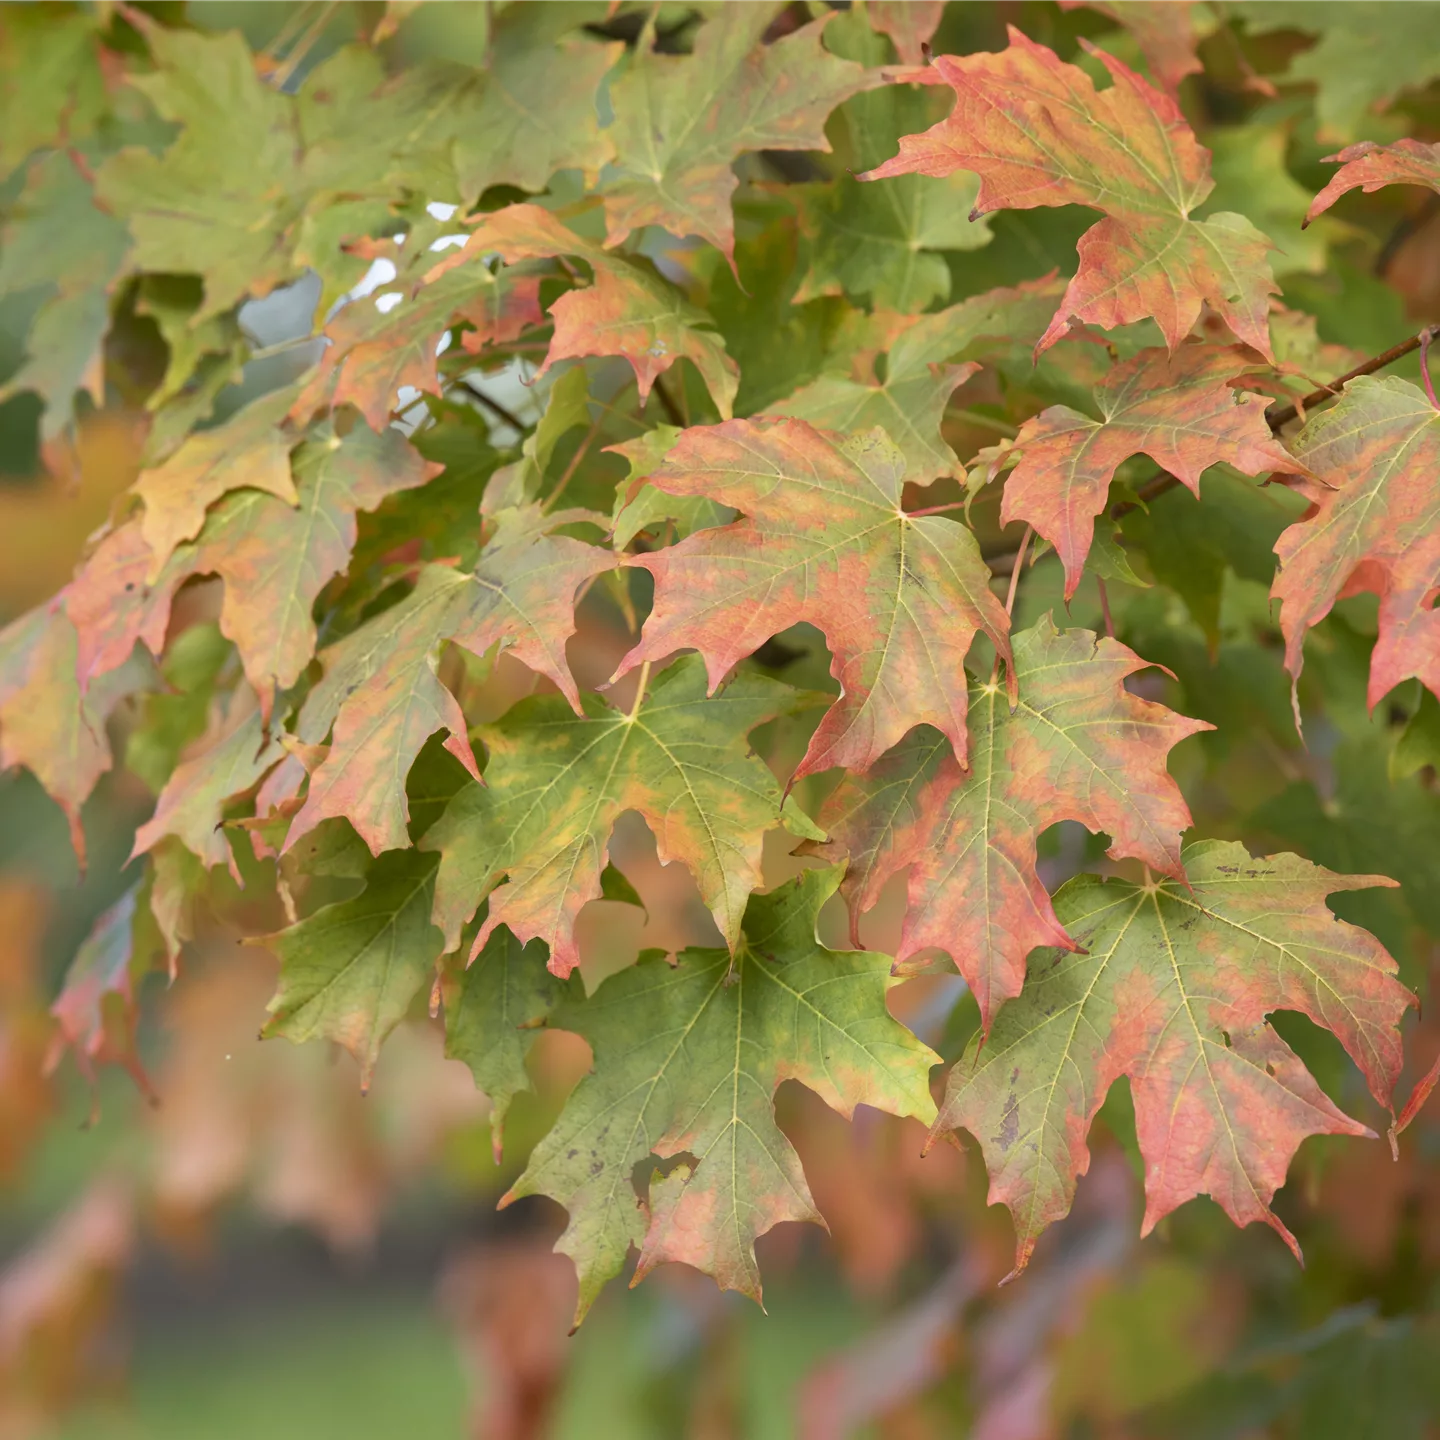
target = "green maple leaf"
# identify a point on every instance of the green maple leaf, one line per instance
(1248, 163)
(1357, 67)
(639, 506)
(1172, 986)
(209, 203)
(492, 1010)
(682, 120)
(921, 373)
(879, 242)
(687, 1062)
(454, 130)
(57, 240)
(350, 971)
(51, 87)
(556, 783)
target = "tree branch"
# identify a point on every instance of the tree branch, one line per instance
(1279, 418)
(494, 406)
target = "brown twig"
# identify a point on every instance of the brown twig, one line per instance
(1282, 417)
(495, 407)
(1426, 336)
(1156, 486)
(1014, 586)
(574, 464)
(1105, 606)
(1278, 419)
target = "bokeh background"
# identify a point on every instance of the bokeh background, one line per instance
(242, 1245)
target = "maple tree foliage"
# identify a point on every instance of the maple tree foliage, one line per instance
(684, 447)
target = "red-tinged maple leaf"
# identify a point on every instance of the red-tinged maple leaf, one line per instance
(1180, 409)
(249, 450)
(682, 120)
(1370, 167)
(1375, 526)
(628, 311)
(391, 338)
(380, 691)
(823, 539)
(274, 557)
(1171, 987)
(908, 23)
(231, 758)
(1037, 132)
(46, 723)
(95, 1012)
(114, 601)
(1078, 746)
(1165, 33)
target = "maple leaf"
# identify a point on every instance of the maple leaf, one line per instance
(207, 202)
(640, 506)
(682, 120)
(95, 1013)
(1249, 166)
(492, 1009)
(1172, 988)
(1370, 167)
(908, 23)
(380, 691)
(687, 1062)
(231, 759)
(275, 557)
(556, 784)
(1037, 132)
(1358, 67)
(249, 450)
(460, 128)
(823, 539)
(880, 241)
(349, 971)
(1179, 408)
(1165, 34)
(522, 128)
(921, 374)
(390, 339)
(46, 723)
(1078, 746)
(58, 242)
(627, 311)
(1375, 527)
(51, 86)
